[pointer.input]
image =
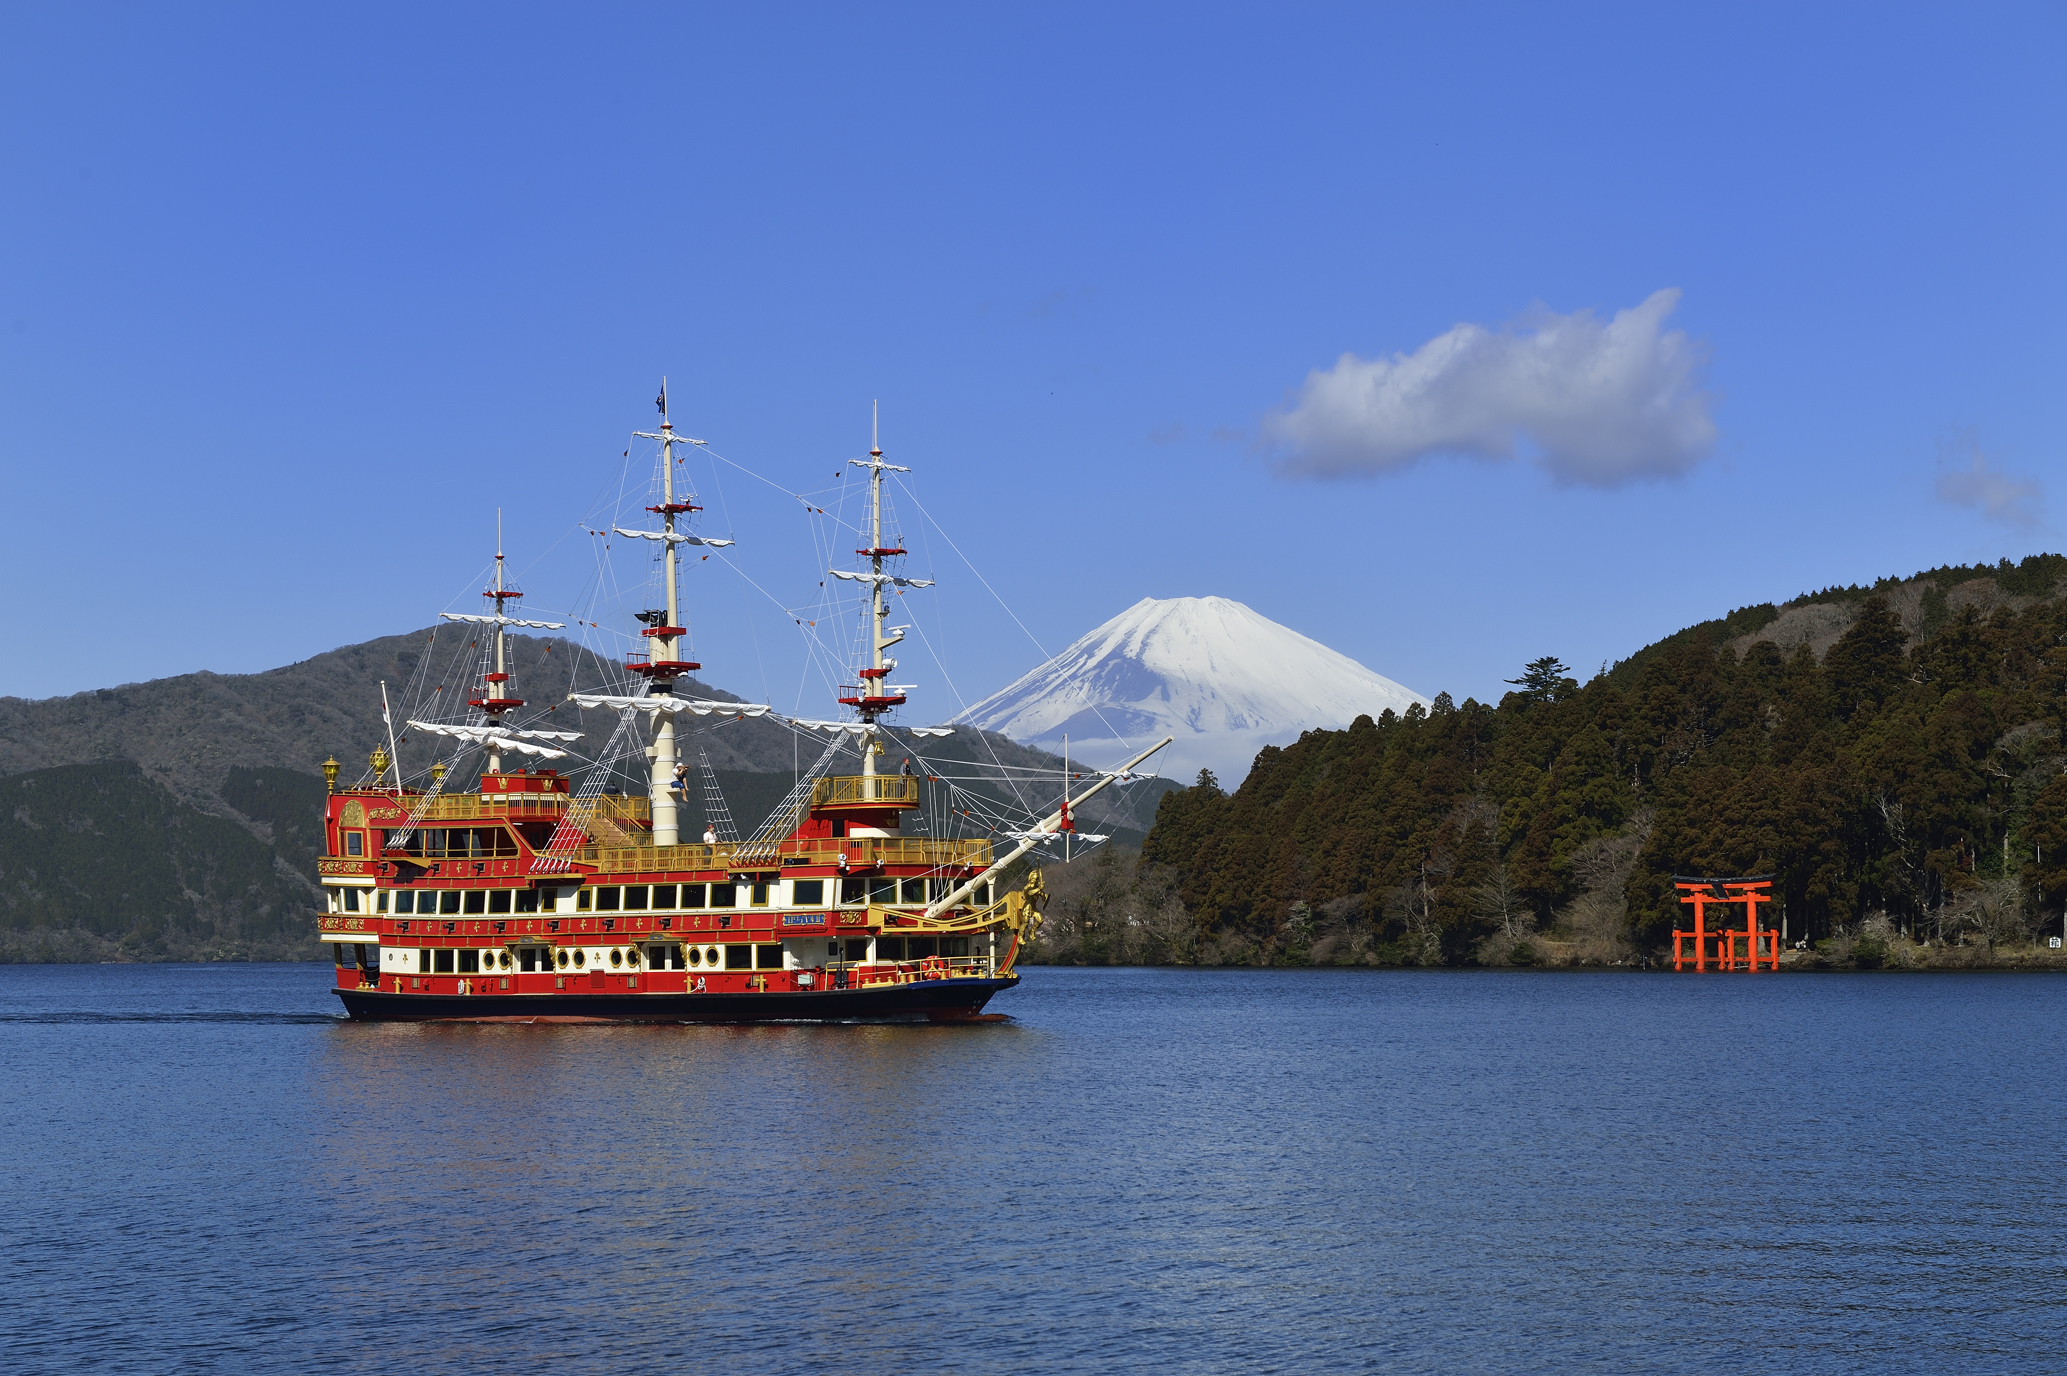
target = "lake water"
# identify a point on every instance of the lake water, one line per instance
(1234, 1171)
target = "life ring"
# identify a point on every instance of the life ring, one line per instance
(701, 987)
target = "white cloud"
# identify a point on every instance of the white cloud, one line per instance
(1998, 496)
(1596, 404)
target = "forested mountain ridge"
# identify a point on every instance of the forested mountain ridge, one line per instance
(1892, 754)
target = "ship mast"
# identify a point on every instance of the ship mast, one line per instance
(874, 697)
(494, 700)
(664, 663)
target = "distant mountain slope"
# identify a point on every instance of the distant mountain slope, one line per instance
(177, 819)
(99, 861)
(191, 731)
(1223, 679)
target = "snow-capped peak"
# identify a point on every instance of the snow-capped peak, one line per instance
(1221, 678)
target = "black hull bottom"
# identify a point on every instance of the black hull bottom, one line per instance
(946, 1000)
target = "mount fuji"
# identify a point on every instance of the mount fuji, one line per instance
(1222, 679)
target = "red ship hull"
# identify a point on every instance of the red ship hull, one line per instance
(946, 1000)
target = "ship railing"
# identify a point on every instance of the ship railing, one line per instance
(475, 807)
(890, 790)
(862, 852)
(863, 974)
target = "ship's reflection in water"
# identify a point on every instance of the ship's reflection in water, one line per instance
(680, 1192)
(1192, 1170)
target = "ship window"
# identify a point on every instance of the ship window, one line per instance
(608, 899)
(448, 901)
(527, 900)
(663, 895)
(857, 948)
(807, 893)
(561, 960)
(768, 957)
(760, 895)
(477, 900)
(526, 958)
(583, 900)
(580, 958)
(980, 895)
(692, 895)
(739, 957)
(380, 901)
(882, 890)
(889, 948)
(664, 957)
(355, 843)
(423, 962)
(443, 958)
(635, 898)
(954, 946)
(405, 901)
(724, 895)
(854, 890)
(696, 955)
(499, 901)
(351, 900)
(920, 947)
(914, 891)
(470, 962)
(616, 958)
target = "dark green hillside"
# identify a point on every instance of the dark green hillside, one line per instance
(100, 860)
(287, 803)
(1893, 754)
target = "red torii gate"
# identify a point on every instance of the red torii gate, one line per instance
(1750, 890)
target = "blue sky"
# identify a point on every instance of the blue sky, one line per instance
(292, 299)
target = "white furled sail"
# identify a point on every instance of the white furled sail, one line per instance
(672, 537)
(879, 579)
(495, 738)
(482, 733)
(502, 621)
(701, 707)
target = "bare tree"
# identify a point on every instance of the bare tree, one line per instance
(1498, 900)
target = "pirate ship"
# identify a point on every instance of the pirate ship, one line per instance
(538, 893)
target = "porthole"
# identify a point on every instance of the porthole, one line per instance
(563, 960)
(710, 956)
(503, 960)
(695, 956)
(579, 959)
(631, 957)
(616, 958)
